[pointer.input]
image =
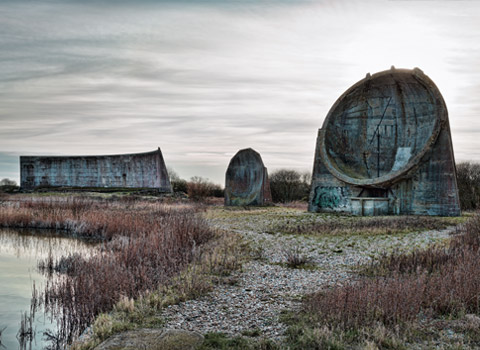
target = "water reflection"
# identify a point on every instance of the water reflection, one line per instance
(20, 250)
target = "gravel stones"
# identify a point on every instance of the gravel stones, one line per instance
(265, 286)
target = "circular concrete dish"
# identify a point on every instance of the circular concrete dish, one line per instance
(380, 128)
(244, 178)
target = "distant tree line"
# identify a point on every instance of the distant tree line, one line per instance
(468, 181)
(289, 185)
(197, 188)
(8, 186)
(7, 182)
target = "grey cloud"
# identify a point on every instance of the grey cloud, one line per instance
(86, 77)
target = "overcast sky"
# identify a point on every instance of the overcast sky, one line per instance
(203, 79)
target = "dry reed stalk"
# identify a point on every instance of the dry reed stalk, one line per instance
(435, 281)
(145, 244)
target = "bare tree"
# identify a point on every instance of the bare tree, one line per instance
(200, 188)
(468, 180)
(288, 185)
(178, 184)
(172, 174)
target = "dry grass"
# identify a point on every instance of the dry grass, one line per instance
(146, 244)
(429, 284)
(294, 258)
(89, 217)
(337, 225)
(218, 257)
(300, 205)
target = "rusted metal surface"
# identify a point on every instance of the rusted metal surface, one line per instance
(388, 137)
(246, 180)
(138, 170)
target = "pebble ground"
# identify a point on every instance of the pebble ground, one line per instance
(266, 286)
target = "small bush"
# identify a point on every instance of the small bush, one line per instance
(179, 185)
(8, 182)
(295, 258)
(199, 188)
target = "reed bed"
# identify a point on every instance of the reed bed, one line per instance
(145, 244)
(88, 217)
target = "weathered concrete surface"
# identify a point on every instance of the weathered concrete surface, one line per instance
(138, 170)
(388, 137)
(246, 180)
(153, 339)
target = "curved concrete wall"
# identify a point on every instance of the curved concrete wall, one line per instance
(138, 170)
(246, 180)
(385, 148)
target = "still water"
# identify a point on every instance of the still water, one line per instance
(19, 253)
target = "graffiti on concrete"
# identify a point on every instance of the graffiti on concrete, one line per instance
(326, 197)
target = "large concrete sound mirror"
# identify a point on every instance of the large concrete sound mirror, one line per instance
(385, 148)
(136, 170)
(246, 180)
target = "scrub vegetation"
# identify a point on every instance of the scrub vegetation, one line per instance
(152, 255)
(288, 185)
(468, 180)
(420, 298)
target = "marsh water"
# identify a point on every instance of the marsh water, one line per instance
(20, 251)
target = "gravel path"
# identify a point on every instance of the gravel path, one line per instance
(265, 286)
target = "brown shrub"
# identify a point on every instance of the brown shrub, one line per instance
(289, 185)
(435, 281)
(199, 189)
(468, 181)
(146, 244)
